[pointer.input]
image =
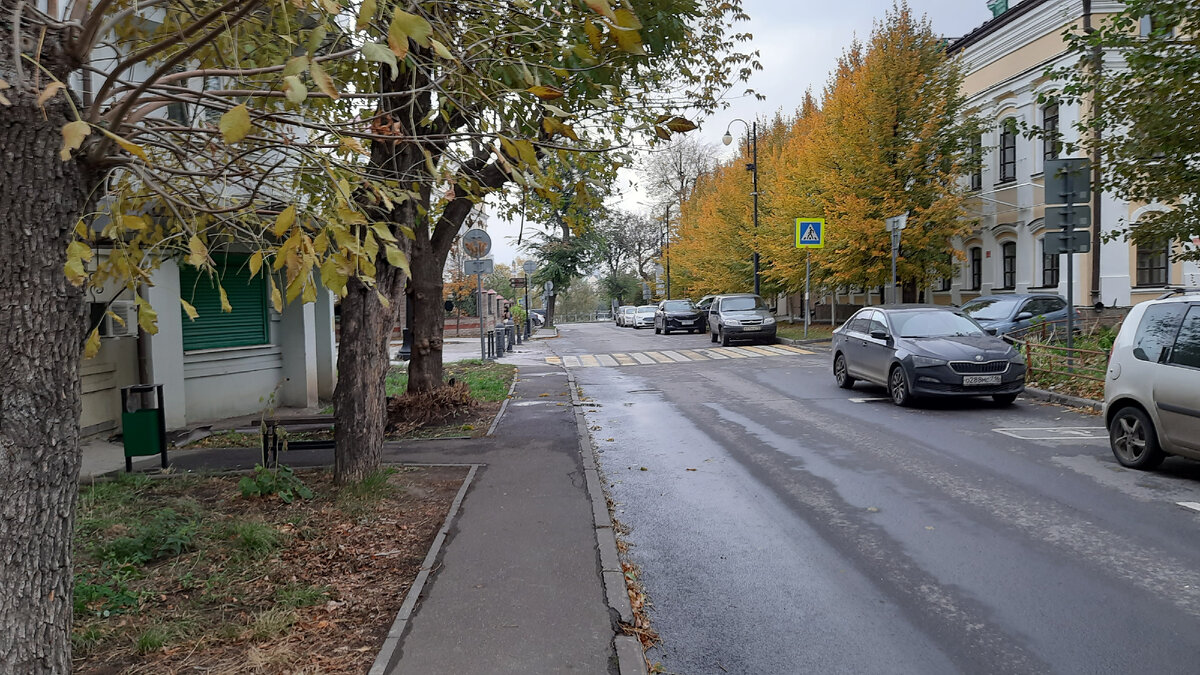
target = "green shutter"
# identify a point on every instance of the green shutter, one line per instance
(246, 325)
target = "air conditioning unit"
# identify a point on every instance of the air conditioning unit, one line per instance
(127, 310)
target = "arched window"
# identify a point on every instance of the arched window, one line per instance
(1153, 263)
(1008, 150)
(1008, 256)
(976, 255)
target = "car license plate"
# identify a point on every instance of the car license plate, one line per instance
(687, 323)
(978, 380)
(750, 327)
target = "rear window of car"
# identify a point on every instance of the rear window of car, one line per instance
(1156, 332)
(1187, 345)
(990, 309)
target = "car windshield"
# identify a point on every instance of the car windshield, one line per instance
(628, 310)
(741, 304)
(934, 323)
(678, 305)
(990, 309)
(646, 309)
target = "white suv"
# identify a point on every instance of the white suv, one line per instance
(1152, 391)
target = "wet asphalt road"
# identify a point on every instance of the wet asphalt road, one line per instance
(784, 525)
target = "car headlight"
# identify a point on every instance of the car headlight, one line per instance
(926, 361)
(732, 322)
(768, 321)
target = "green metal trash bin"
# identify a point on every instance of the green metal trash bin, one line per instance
(143, 423)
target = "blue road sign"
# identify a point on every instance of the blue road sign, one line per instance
(810, 233)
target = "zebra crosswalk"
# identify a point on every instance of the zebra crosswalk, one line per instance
(673, 356)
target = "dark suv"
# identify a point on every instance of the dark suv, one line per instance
(677, 315)
(740, 317)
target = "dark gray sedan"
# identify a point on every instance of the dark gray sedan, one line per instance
(1011, 313)
(925, 350)
(677, 315)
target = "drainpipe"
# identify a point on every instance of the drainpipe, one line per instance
(1097, 58)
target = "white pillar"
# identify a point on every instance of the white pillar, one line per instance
(298, 340)
(165, 348)
(326, 344)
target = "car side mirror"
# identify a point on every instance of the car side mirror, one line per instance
(879, 335)
(990, 331)
(1021, 316)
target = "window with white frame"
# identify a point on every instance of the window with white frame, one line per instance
(1050, 262)
(1008, 150)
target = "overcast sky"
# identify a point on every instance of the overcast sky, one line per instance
(799, 42)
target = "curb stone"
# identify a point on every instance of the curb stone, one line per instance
(504, 406)
(389, 653)
(631, 660)
(811, 341)
(1064, 399)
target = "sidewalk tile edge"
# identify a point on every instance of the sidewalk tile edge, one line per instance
(389, 653)
(504, 406)
(631, 660)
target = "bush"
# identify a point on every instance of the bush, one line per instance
(280, 481)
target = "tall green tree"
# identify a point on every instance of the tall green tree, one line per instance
(1138, 117)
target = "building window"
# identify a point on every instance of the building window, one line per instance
(1153, 263)
(977, 163)
(1049, 265)
(1008, 254)
(245, 325)
(1051, 142)
(1008, 151)
(976, 268)
(1148, 24)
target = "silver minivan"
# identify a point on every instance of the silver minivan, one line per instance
(743, 316)
(1152, 388)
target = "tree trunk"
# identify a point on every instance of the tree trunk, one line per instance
(41, 199)
(425, 292)
(360, 399)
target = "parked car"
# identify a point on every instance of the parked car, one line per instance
(925, 350)
(743, 316)
(676, 315)
(1009, 313)
(703, 306)
(1152, 387)
(538, 316)
(625, 315)
(643, 316)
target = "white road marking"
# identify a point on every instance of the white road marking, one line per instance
(643, 359)
(571, 361)
(676, 356)
(606, 360)
(1195, 506)
(869, 399)
(1055, 433)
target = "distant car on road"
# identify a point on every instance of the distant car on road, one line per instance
(925, 350)
(743, 316)
(1010, 313)
(643, 316)
(703, 306)
(677, 315)
(625, 315)
(1152, 388)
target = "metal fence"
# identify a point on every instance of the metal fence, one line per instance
(1078, 370)
(587, 317)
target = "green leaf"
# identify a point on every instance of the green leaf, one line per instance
(295, 66)
(397, 259)
(381, 54)
(413, 26)
(441, 50)
(323, 81)
(366, 14)
(294, 89)
(235, 124)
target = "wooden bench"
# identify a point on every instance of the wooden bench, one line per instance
(271, 440)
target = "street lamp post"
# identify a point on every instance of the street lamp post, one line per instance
(752, 167)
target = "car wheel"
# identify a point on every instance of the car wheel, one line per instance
(1004, 399)
(1133, 439)
(898, 387)
(724, 337)
(713, 336)
(841, 374)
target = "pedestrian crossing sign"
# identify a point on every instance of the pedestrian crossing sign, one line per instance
(810, 233)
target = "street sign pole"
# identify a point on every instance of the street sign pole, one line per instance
(894, 225)
(1067, 182)
(479, 311)
(807, 270)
